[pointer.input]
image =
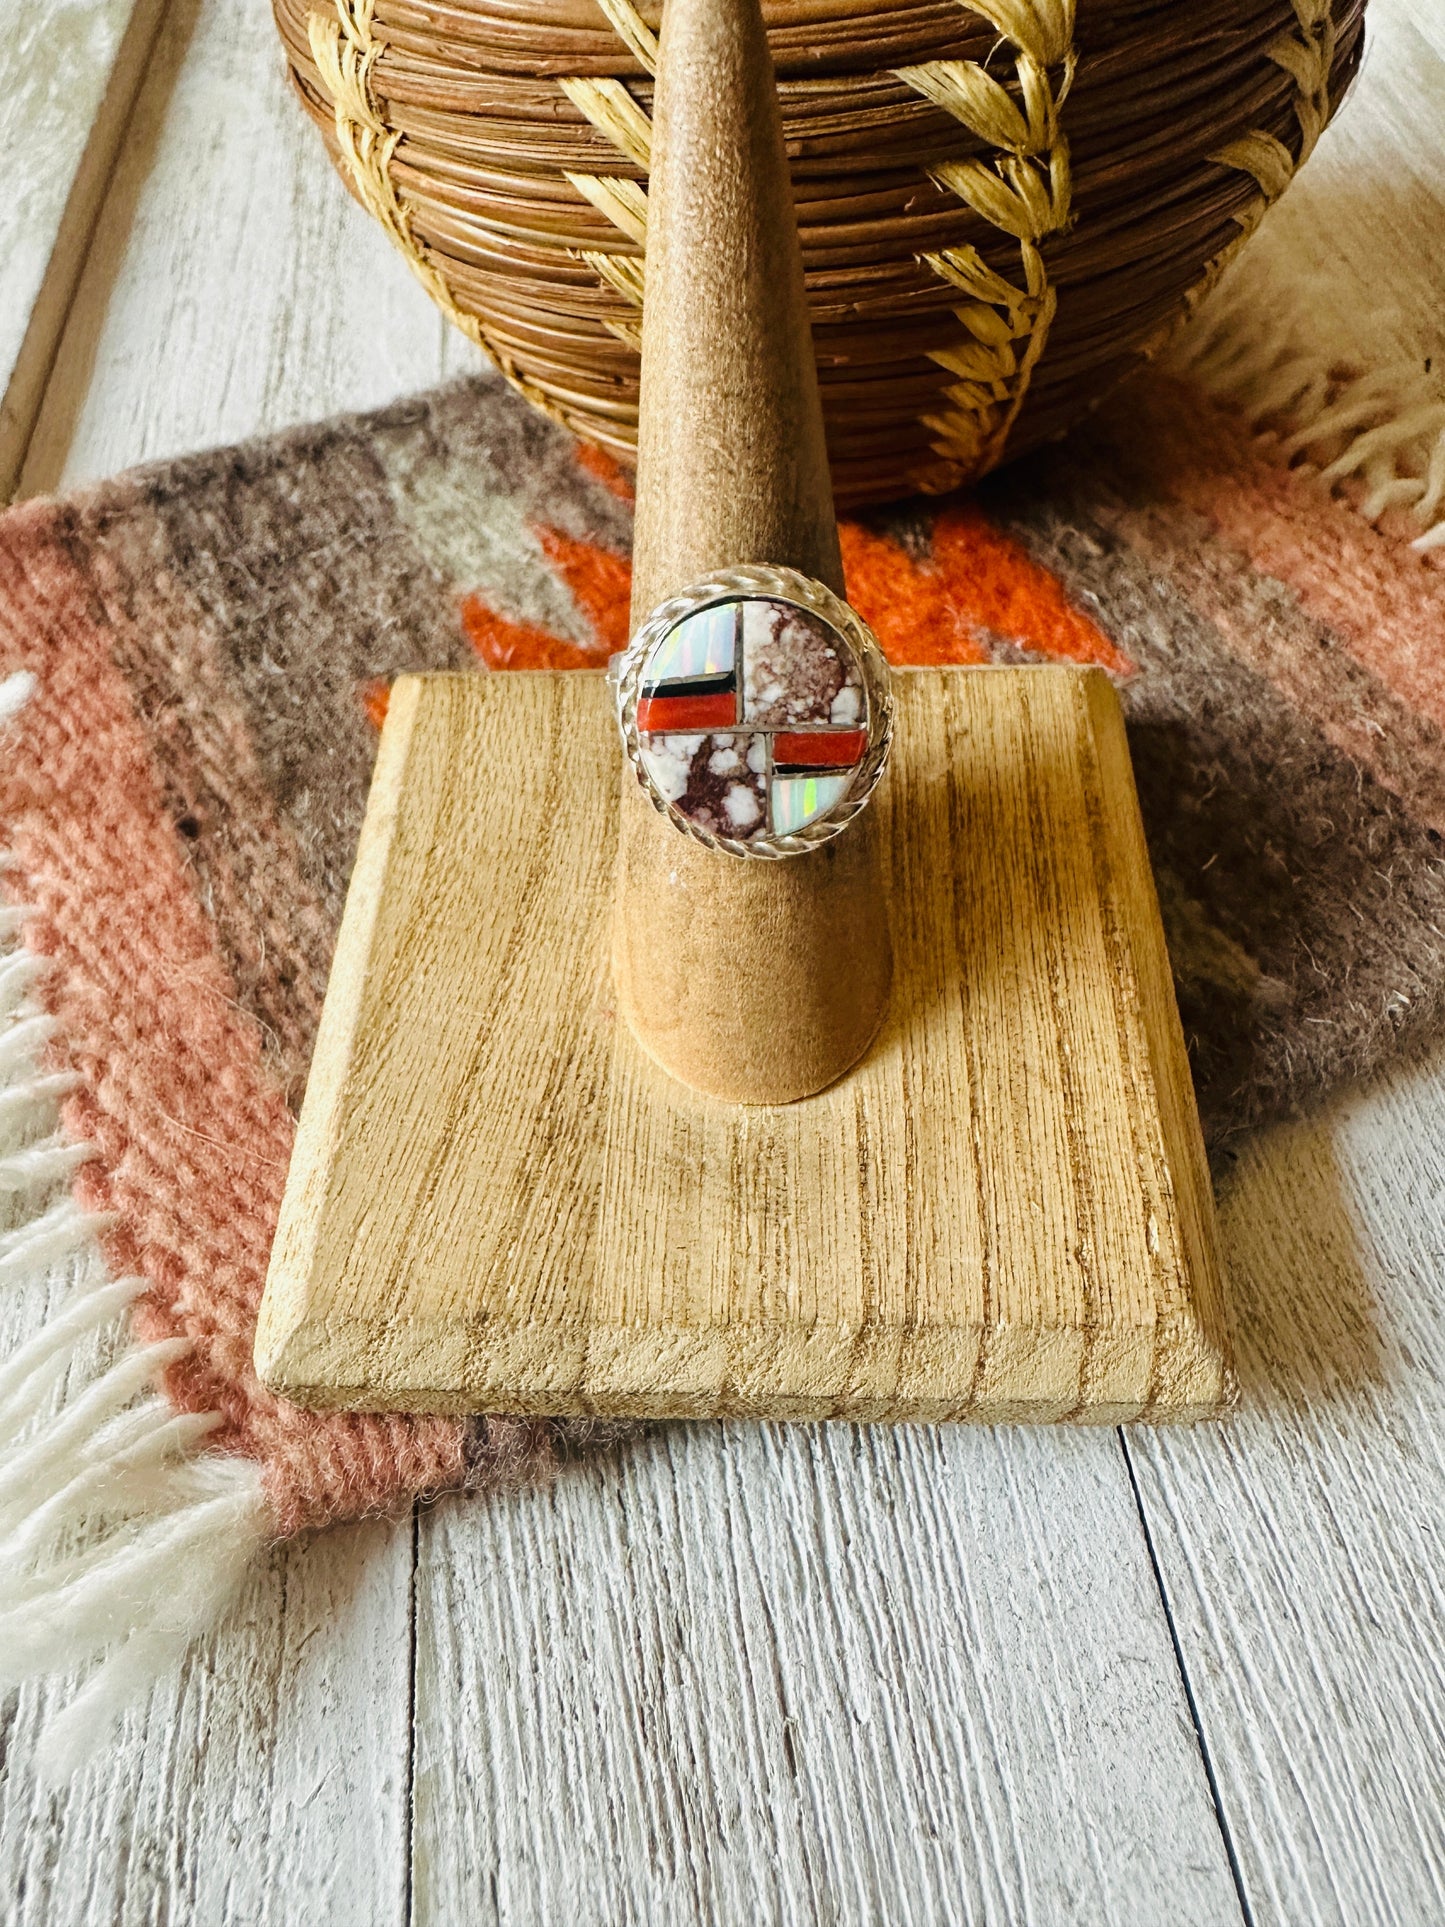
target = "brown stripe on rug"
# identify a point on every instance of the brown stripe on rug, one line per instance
(1217, 526)
(254, 595)
(1304, 902)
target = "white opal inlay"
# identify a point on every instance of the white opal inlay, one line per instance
(798, 800)
(701, 645)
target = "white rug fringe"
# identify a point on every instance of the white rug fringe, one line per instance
(121, 1539)
(1383, 429)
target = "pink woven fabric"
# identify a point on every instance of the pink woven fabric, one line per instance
(1362, 655)
(193, 1139)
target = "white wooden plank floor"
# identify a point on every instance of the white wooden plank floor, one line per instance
(764, 1673)
(69, 70)
(1301, 1548)
(732, 1673)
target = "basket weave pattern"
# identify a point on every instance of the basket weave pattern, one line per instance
(1003, 205)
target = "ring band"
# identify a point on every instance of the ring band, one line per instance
(756, 710)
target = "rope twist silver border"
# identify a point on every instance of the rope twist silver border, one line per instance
(779, 585)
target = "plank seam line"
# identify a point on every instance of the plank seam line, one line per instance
(1236, 1873)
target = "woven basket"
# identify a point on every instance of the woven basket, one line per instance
(1003, 205)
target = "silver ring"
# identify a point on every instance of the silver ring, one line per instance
(756, 710)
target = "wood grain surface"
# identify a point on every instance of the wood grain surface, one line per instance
(69, 72)
(791, 1674)
(832, 1674)
(498, 1203)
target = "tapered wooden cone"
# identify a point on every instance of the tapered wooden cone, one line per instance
(757, 981)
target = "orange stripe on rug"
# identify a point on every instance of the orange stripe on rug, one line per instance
(978, 585)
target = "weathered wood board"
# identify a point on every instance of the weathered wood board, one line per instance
(498, 1203)
(69, 72)
(809, 1676)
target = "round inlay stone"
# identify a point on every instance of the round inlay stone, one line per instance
(757, 721)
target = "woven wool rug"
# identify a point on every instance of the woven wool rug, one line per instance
(194, 662)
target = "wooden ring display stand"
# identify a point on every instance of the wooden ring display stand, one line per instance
(980, 1193)
(756, 981)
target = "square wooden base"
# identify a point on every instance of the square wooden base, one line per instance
(498, 1203)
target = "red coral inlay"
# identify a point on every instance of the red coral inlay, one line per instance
(818, 748)
(718, 711)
